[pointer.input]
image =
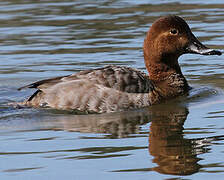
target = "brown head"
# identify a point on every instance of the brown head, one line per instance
(168, 38)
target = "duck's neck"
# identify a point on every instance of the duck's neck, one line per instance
(167, 77)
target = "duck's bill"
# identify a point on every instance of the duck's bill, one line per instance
(196, 47)
(203, 50)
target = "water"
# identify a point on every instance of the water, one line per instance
(181, 139)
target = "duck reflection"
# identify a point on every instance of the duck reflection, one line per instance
(115, 125)
(173, 153)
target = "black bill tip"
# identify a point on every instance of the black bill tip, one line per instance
(211, 52)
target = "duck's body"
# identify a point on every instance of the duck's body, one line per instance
(106, 89)
(115, 88)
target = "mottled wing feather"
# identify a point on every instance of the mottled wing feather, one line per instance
(117, 77)
(124, 79)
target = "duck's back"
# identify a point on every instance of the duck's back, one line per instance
(121, 78)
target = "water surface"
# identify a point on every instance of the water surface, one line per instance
(178, 139)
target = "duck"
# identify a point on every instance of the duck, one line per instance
(119, 88)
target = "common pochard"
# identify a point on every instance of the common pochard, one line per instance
(117, 88)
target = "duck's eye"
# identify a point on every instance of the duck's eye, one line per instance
(173, 31)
